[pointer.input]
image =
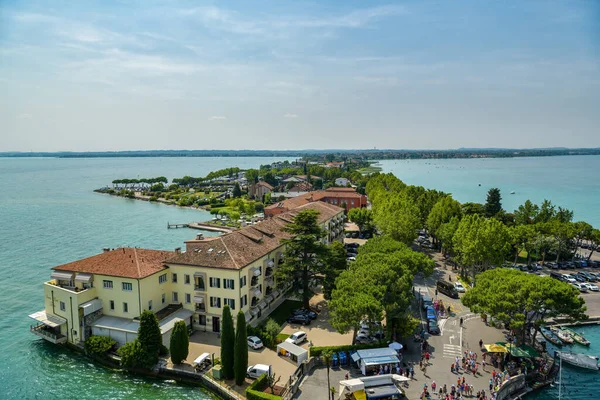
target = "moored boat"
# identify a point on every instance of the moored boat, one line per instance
(563, 336)
(551, 337)
(576, 336)
(579, 360)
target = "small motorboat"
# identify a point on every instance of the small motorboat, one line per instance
(513, 192)
(576, 336)
(551, 337)
(579, 360)
(563, 336)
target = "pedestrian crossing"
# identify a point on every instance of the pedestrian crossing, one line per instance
(452, 351)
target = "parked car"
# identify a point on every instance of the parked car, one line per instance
(433, 327)
(363, 338)
(459, 287)
(352, 245)
(299, 319)
(581, 286)
(430, 312)
(255, 343)
(255, 371)
(592, 286)
(578, 278)
(351, 259)
(297, 338)
(311, 314)
(354, 235)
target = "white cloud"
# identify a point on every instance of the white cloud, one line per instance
(24, 116)
(217, 118)
(289, 115)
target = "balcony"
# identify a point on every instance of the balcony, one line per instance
(268, 272)
(200, 308)
(48, 333)
(254, 281)
(200, 288)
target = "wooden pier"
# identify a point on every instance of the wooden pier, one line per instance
(175, 226)
(202, 226)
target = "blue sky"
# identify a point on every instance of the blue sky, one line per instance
(117, 75)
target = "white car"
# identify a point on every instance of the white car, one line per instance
(363, 338)
(297, 338)
(581, 286)
(255, 342)
(591, 286)
(459, 287)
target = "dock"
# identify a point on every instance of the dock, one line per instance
(202, 226)
(175, 226)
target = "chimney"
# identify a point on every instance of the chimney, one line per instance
(178, 250)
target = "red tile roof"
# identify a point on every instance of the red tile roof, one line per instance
(123, 262)
(240, 248)
(265, 184)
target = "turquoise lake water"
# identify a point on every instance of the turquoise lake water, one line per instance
(571, 181)
(49, 215)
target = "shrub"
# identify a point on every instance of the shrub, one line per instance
(180, 342)
(98, 345)
(153, 198)
(255, 391)
(163, 351)
(316, 351)
(149, 337)
(132, 354)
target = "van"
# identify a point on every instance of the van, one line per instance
(556, 275)
(426, 301)
(255, 371)
(447, 288)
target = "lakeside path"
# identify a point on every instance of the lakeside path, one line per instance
(452, 342)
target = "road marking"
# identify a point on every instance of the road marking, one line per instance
(442, 323)
(452, 351)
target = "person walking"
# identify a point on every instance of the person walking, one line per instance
(481, 343)
(461, 321)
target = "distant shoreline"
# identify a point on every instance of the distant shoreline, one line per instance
(384, 154)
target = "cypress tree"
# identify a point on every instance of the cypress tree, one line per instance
(180, 342)
(150, 337)
(227, 343)
(240, 360)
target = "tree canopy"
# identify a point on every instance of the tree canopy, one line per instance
(227, 343)
(493, 203)
(180, 342)
(149, 337)
(362, 217)
(523, 301)
(441, 213)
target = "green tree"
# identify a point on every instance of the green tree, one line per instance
(149, 337)
(562, 232)
(240, 359)
(526, 213)
(304, 253)
(132, 354)
(362, 217)
(252, 176)
(98, 345)
(237, 191)
(493, 205)
(523, 238)
(335, 263)
(546, 213)
(480, 243)
(180, 342)
(442, 212)
(227, 343)
(473, 208)
(595, 241)
(446, 232)
(523, 301)
(398, 216)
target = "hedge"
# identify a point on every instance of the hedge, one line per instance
(255, 391)
(316, 351)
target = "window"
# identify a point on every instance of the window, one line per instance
(230, 303)
(243, 301)
(243, 281)
(63, 306)
(228, 284)
(186, 279)
(164, 298)
(125, 308)
(202, 319)
(162, 278)
(175, 297)
(112, 305)
(107, 284)
(127, 286)
(150, 305)
(215, 282)
(188, 298)
(215, 302)
(174, 278)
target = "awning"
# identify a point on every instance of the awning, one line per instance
(49, 320)
(275, 293)
(269, 298)
(83, 277)
(199, 299)
(200, 274)
(91, 306)
(271, 263)
(62, 275)
(254, 311)
(495, 348)
(255, 271)
(355, 357)
(262, 304)
(256, 292)
(523, 351)
(396, 346)
(248, 316)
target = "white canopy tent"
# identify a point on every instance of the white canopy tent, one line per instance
(396, 346)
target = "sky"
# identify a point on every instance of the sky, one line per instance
(142, 75)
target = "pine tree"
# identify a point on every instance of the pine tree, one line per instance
(240, 360)
(237, 191)
(227, 343)
(493, 205)
(150, 337)
(180, 342)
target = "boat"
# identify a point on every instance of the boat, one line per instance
(563, 336)
(576, 336)
(513, 192)
(551, 337)
(579, 360)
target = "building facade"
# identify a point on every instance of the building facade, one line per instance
(106, 293)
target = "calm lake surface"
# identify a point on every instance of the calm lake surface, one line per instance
(569, 181)
(49, 216)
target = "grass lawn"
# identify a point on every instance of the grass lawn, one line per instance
(281, 313)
